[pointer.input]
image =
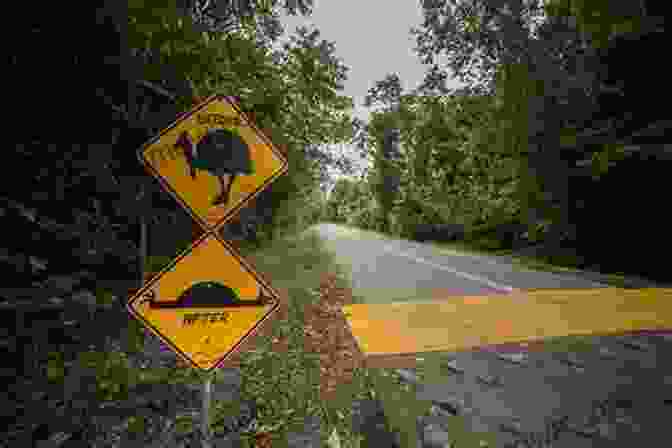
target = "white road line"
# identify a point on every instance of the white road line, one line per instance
(476, 278)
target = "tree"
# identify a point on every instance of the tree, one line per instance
(558, 73)
(387, 93)
(150, 63)
(500, 47)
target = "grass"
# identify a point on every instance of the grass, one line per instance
(286, 385)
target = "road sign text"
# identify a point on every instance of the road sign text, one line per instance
(218, 119)
(205, 318)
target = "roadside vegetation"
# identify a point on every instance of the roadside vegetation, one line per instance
(551, 143)
(536, 150)
(84, 213)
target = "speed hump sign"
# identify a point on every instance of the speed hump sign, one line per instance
(205, 303)
(209, 300)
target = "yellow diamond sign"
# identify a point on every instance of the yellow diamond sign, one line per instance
(213, 160)
(206, 303)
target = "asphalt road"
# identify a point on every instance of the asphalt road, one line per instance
(384, 270)
(520, 393)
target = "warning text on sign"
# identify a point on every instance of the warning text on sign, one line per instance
(204, 318)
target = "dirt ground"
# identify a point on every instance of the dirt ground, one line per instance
(328, 334)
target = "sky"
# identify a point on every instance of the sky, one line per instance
(372, 38)
(370, 47)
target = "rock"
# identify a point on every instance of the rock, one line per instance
(450, 406)
(434, 436)
(309, 437)
(363, 411)
(227, 441)
(408, 376)
(515, 358)
(227, 385)
(370, 421)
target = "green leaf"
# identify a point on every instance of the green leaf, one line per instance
(626, 26)
(104, 297)
(55, 371)
(136, 425)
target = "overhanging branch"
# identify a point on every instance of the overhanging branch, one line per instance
(156, 89)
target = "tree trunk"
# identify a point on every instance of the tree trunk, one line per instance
(142, 249)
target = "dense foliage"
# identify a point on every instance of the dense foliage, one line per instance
(96, 82)
(555, 129)
(554, 115)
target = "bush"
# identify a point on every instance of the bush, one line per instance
(509, 234)
(566, 257)
(439, 232)
(155, 263)
(488, 244)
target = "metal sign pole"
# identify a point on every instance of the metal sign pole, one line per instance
(205, 412)
(142, 249)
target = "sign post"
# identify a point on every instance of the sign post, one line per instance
(213, 160)
(205, 412)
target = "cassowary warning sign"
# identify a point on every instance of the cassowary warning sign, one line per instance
(213, 160)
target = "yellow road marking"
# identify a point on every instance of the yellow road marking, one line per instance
(467, 322)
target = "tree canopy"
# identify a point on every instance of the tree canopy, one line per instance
(553, 111)
(104, 78)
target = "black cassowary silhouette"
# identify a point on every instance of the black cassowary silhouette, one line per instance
(222, 153)
(208, 295)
